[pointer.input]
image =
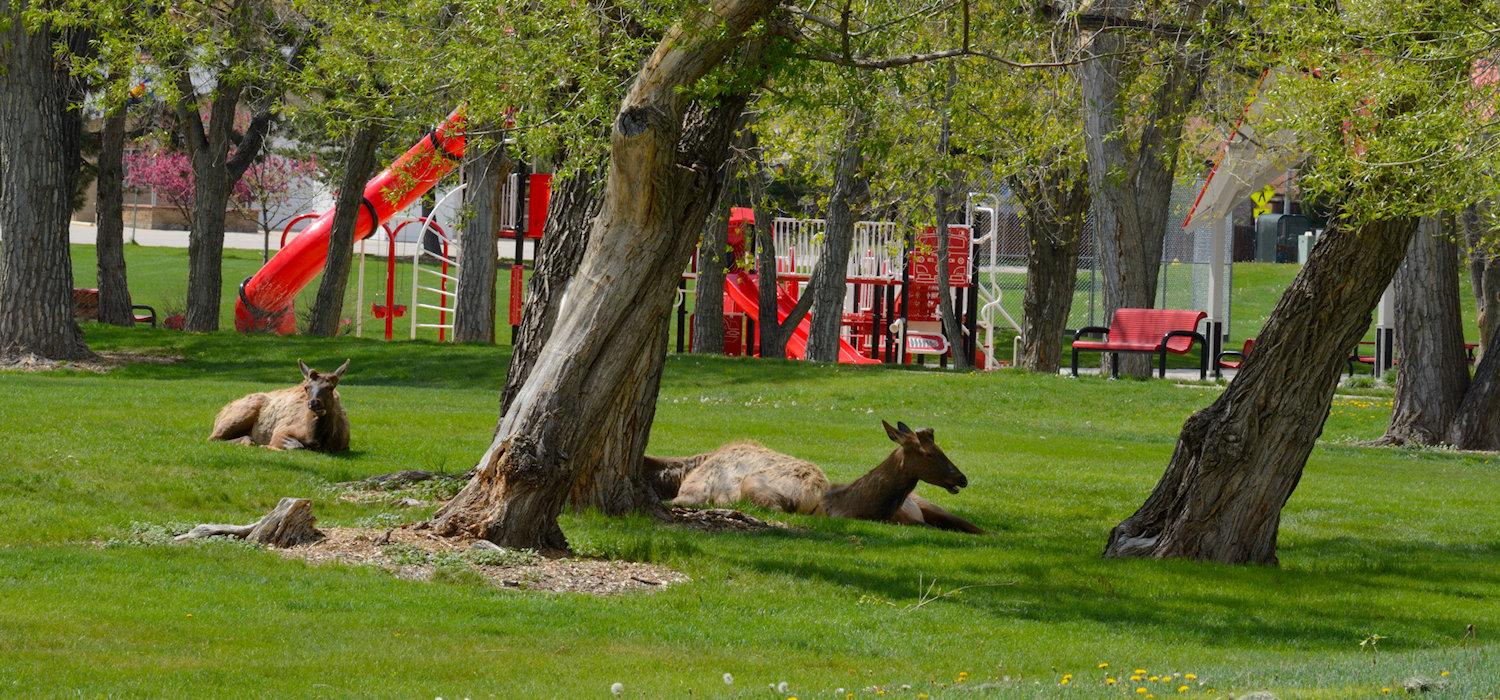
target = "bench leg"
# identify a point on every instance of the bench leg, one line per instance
(1202, 362)
(1075, 362)
(1163, 353)
(1114, 365)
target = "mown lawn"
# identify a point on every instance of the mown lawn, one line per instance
(1395, 543)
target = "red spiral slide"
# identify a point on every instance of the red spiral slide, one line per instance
(265, 301)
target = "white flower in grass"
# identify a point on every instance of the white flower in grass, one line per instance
(728, 679)
(617, 688)
(781, 687)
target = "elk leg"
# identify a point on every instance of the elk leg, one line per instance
(238, 418)
(941, 519)
(287, 439)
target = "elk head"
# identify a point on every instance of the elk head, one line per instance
(923, 459)
(319, 386)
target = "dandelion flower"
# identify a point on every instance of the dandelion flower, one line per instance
(1141, 671)
(781, 687)
(1135, 678)
(728, 679)
(1154, 678)
(1190, 676)
(1103, 665)
(1142, 691)
(1109, 681)
(1183, 689)
(617, 688)
(1444, 673)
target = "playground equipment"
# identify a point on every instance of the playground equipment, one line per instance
(265, 298)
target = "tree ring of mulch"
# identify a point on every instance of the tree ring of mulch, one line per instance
(373, 547)
(100, 363)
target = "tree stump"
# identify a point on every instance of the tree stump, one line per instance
(289, 524)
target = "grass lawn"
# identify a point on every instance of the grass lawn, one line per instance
(1396, 543)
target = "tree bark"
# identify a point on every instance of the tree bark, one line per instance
(474, 303)
(1484, 269)
(1131, 172)
(1476, 425)
(708, 292)
(1434, 372)
(40, 136)
(215, 172)
(570, 216)
(947, 187)
(774, 331)
(830, 273)
(109, 248)
(662, 181)
(1238, 461)
(359, 166)
(289, 524)
(1057, 203)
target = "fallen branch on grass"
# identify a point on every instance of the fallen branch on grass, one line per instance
(289, 524)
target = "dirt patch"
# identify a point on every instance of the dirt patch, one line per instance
(418, 554)
(100, 363)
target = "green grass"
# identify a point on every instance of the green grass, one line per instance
(1396, 543)
(1389, 542)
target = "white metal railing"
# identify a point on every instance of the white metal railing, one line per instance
(874, 254)
(448, 261)
(990, 295)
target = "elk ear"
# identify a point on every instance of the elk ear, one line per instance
(340, 371)
(891, 432)
(306, 371)
(902, 427)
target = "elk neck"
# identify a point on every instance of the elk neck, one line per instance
(876, 495)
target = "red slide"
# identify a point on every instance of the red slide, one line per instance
(265, 301)
(745, 291)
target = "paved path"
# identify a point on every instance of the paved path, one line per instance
(83, 233)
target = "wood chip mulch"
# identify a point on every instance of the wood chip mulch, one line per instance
(550, 574)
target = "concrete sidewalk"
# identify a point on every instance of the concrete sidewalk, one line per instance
(84, 233)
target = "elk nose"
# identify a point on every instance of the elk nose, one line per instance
(963, 481)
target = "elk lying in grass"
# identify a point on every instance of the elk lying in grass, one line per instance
(306, 416)
(747, 471)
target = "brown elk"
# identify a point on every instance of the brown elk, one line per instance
(747, 471)
(306, 416)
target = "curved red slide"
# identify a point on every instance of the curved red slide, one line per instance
(744, 289)
(265, 301)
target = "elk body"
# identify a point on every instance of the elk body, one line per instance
(306, 416)
(747, 471)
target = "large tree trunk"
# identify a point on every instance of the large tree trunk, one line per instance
(359, 166)
(40, 135)
(109, 248)
(570, 217)
(474, 303)
(1238, 460)
(830, 273)
(1483, 251)
(774, 331)
(947, 189)
(1057, 204)
(1131, 172)
(1429, 340)
(662, 181)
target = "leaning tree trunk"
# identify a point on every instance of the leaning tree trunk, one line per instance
(1056, 206)
(474, 302)
(661, 184)
(1430, 340)
(947, 187)
(1476, 425)
(1238, 461)
(1484, 268)
(1131, 182)
(40, 135)
(109, 248)
(774, 331)
(829, 275)
(359, 165)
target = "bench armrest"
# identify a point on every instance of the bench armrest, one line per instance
(150, 313)
(1095, 330)
(1194, 335)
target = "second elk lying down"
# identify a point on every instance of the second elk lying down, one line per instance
(748, 471)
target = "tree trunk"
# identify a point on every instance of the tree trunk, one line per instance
(1238, 461)
(662, 181)
(830, 274)
(947, 187)
(570, 217)
(1476, 425)
(708, 292)
(1484, 269)
(474, 304)
(359, 166)
(1056, 206)
(1429, 340)
(40, 136)
(109, 249)
(1131, 175)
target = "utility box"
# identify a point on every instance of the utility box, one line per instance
(1276, 236)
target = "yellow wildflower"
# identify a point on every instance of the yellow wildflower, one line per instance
(1183, 689)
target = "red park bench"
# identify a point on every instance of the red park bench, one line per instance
(1157, 331)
